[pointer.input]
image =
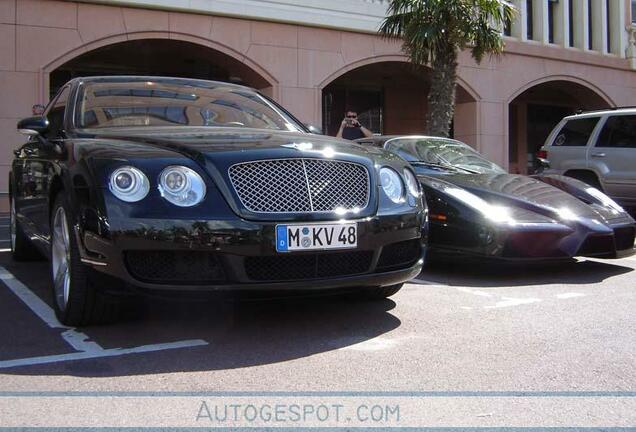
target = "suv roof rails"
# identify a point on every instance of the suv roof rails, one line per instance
(582, 111)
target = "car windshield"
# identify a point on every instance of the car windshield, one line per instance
(442, 153)
(116, 104)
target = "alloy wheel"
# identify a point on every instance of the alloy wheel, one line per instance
(61, 258)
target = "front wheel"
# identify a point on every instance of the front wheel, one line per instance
(77, 301)
(379, 293)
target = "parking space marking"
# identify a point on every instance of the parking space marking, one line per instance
(82, 355)
(511, 301)
(35, 303)
(570, 295)
(79, 341)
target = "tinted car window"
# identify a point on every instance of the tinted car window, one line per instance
(177, 103)
(55, 115)
(575, 132)
(619, 131)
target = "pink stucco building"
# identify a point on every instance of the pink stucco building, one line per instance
(319, 57)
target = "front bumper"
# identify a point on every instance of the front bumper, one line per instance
(534, 242)
(236, 254)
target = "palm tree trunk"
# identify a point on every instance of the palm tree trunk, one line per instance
(441, 97)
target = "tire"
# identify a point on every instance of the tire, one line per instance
(587, 178)
(381, 293)
(76, 298)
(21, 247)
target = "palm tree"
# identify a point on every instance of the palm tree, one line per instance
(433, 32)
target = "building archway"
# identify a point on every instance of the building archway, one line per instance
(390, 96)
(157, 56)
(534, 110)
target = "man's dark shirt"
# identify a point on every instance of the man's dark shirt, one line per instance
(352, 133)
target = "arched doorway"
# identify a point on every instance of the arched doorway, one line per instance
(390, 98)
(158, 57)
(534, 111)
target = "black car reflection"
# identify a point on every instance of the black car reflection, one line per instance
(173, 185)
(478, 210)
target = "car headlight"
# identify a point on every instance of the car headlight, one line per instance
(392, 184)
(181, 186)
(129, 184)
(411, 183)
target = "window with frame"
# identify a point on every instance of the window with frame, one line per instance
(575, 133)
(618, 132)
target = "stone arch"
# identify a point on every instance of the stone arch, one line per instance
(270, 83)
(535, 108)
(400, 112)
(554, 78)
(387, 58)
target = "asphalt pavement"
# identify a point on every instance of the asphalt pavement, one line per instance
(568, 328)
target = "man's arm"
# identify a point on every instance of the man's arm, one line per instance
(342, 125)
(367, 133)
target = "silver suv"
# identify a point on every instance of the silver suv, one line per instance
(598, 148)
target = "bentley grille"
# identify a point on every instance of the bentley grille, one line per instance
(300, 185)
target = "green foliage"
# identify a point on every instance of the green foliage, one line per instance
(429, 27)
(434, 31)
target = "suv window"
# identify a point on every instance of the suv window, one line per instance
(55, 114)
(575, 132)
(619, 131)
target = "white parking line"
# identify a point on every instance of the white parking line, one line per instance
(78, 340)
(100, 353)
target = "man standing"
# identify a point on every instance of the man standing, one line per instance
(351, 129)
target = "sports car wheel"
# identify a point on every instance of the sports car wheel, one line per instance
(379, 293)
(21, 247)
(76, 299)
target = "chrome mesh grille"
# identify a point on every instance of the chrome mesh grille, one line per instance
(300, 185)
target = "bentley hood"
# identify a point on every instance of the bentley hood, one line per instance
(233, 145)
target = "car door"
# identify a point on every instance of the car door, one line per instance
(39, 165)
(613, 157)
(567, 146)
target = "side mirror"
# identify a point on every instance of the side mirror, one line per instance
(33, 126)
(313, 129)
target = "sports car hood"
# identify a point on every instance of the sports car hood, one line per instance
(522, 192)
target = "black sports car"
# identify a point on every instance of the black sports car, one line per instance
(477, 209)
(175, 185)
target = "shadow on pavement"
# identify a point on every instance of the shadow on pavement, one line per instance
(496, 274)
(240, 333)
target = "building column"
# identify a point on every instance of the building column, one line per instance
(520, 25)
(599, 24)
(618, 35)
(581, 24)
(562, 24)
(522, 137)
(541, 22)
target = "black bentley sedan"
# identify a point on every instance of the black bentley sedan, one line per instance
(176, 185)
(477, 210)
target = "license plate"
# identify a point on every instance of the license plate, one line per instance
(290, 238)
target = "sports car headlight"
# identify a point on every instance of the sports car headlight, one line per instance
(181, 186)
(129, 184)
(411, 183)
(392, 184)
(604, 199)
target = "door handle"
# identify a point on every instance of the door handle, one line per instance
(598, 155)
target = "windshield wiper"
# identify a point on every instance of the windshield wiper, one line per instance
(443, 166)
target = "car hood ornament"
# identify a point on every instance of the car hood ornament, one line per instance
(303, 146)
